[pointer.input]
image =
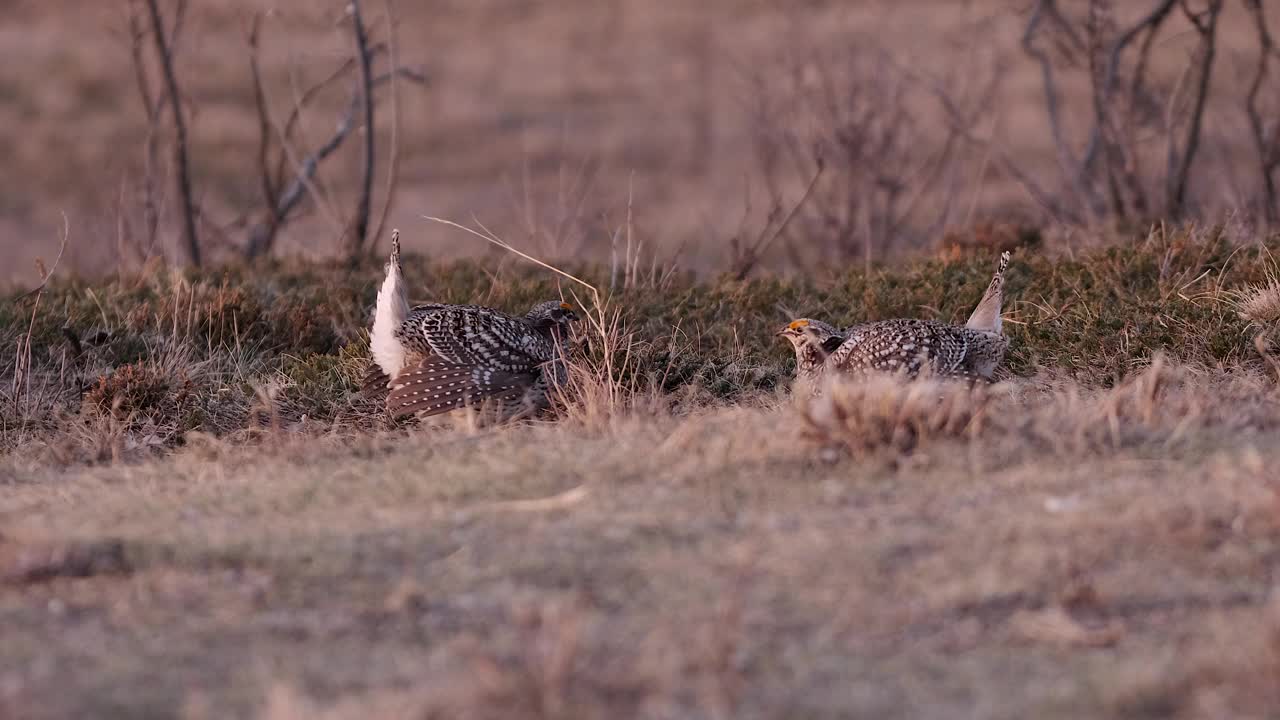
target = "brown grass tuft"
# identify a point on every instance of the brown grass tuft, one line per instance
(883, 412)
(135, 388)
(1011, 422)
(1260, 304)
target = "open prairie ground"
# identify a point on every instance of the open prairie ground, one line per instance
(201, 518)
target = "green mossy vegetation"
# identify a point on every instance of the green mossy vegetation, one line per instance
(190, 350)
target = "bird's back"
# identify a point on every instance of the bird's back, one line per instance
(474, 334)
(915, 346)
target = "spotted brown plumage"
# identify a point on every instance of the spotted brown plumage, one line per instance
(913, 347)
(909, 347)
(435, 358)
(470, 356)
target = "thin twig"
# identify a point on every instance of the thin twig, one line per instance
(1068, 164)
(360, 226)
(1033, 189)
(180, 129)
(260, 241)
(304, 99)
(306, 168)
(62, 248)
(1206, 24)
(151, 106)
(1149, 23)
(752, 254)
(1268, 152)
(393, 142)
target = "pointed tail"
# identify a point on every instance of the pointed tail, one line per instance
(393, 308)
(986, 317)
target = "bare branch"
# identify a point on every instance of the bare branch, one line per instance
(393, 142)
(751, 256)
(306, 168)
(1149, 23)
(151, 107)
(179, 21)
(180, 129)
(360, 225)
(308, 95)
(260, 242)
(1206, 24)
(1047, 9)
(1268, 149)
(301, 183)
(962, 127)
(137, 34)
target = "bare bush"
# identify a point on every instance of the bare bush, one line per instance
(147, 21)
(286, 173)
(855, 135)
(1139, 154)
(281, 199)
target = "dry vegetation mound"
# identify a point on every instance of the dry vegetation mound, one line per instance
(148, 359)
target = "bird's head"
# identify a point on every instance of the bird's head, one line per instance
(798, 330)
(805, 333)
(551, 314)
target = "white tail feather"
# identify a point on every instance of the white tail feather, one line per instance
(986, 317)
(393, 308)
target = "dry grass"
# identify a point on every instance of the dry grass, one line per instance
(199, 518)
(711, 565)
(1260, 304)
(1158, 405)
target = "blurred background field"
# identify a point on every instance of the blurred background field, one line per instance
(556, 124)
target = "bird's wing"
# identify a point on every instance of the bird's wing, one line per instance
(898, 346)
(475, 336)
(374, 382)
(436, 385)
(951, 346)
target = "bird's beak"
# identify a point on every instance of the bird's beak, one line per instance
(781, 332)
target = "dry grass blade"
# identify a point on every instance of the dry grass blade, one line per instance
(1056, 626)
(489, 237)
(45, 275)
(560, 501)
(20, 391)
